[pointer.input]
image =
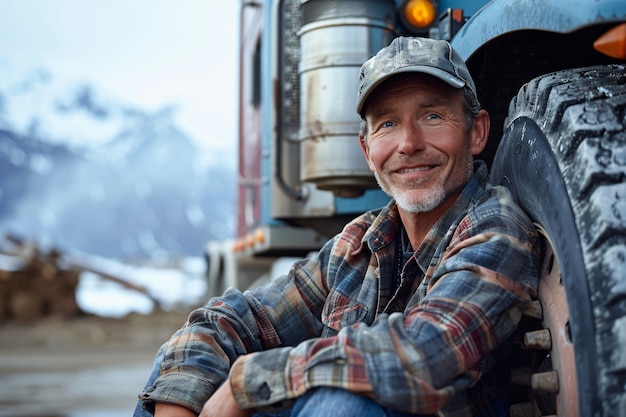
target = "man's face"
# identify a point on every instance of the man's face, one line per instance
(418, 145)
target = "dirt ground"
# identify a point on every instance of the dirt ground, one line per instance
(84, 367)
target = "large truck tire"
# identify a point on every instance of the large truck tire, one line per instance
(563, 155)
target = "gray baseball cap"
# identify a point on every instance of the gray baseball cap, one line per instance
(423, 55)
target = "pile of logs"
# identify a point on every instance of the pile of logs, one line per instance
(34, 284)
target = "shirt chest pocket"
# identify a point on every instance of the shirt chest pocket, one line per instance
(341, 311)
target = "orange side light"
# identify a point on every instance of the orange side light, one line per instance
(260, 236)
(613, 42)
(238, 246)
(420, 13)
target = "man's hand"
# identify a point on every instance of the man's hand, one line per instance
(223, 404)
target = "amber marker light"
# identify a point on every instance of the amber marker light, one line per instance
(613, 42)
(239, 245)
(420, 13)
(260, 236)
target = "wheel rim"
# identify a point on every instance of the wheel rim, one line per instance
(561, 358)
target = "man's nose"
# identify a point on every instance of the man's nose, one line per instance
(411, 140)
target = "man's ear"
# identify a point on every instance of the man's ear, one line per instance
(366, 152)
(480, 132)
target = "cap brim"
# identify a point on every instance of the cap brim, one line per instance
(424, 69)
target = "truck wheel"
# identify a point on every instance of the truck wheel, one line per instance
(563, 156)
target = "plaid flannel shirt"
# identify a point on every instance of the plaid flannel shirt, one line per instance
(333, 320)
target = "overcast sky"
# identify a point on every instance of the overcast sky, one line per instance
(149, 53)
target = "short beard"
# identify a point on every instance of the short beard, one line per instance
(431, 198)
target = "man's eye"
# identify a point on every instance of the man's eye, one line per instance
(432, 116)
(387, 124)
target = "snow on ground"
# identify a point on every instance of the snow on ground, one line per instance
(180, 287)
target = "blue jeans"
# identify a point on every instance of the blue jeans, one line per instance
(154, 374)
(324, 402)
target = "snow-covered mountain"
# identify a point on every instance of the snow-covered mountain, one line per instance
(81, 171)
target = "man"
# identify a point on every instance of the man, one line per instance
(404, 312)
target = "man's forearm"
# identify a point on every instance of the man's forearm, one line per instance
(172, 410)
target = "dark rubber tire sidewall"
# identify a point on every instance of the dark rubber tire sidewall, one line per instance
(558, 127)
